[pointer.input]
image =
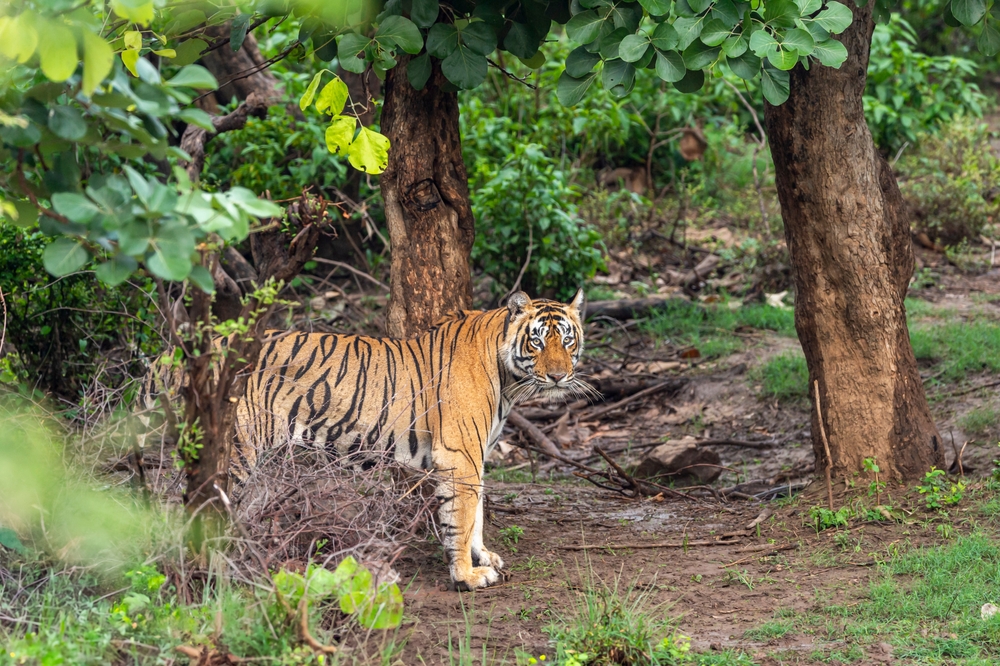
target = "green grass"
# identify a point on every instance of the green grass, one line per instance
(980, 420)
(712, 329)
(784, 377)
(770, 630)
(958, 349)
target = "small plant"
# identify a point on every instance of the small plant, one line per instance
(510, 536)
(945, 530)
(980, 420)
(938, 491)
(876, 487)
(824, 519)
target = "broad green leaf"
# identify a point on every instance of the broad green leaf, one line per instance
(172, 245)
(798, 39)
(64, 256)
(656, 7)
(714, 33)
(332, 98)
(809, 7)
(774, 84)
(370, 151)
(633, 47)
(521, 40)
(27, 214)
(67, 123)
(418, 71)
(688, 30)
(133, 40)
(57, 52)
(665, 37)
(9, 540)
(425, 12)
(762, 42)
(783, 59)
(698, 6)
(97, 61)
(479, 37)
(189, 51)
(836, 17)
(358, 593)
(735, 46)
(351, 45)
(832, 53)
(385, 610)
(198, 118)
(194, 76)
(726, 11)
(618, 73)
(571, 90)
(989, 40)
(238, 32)
(692, 81)
(464, 68)
(137, 11)
(442, 40)
(310, 94)
(117, 270)
(968, 12)
(780, 13)
(252, 204)
(580, 62)
(340, 134)
(166, 53)
(403, 32)
(18, 36)
(609, 43)
(202, 279)
(76, 207)
(535, 61)
(626, 15)
(133, 238)
(670, 66)
(585, 26)
(290, 585)
(700, 56)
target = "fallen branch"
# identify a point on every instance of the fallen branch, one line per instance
(629, 308)
(532, 432)
(656, 388)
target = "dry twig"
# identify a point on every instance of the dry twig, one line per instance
(826, 447)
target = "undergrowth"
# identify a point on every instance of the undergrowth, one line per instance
(714, 329)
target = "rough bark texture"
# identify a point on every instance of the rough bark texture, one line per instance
(239, 72)
(427, 209)
(848, 235)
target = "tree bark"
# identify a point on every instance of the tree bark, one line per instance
(427, 208)
(848, 235)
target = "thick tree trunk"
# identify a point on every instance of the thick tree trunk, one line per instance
(427, 208)
(848, 235)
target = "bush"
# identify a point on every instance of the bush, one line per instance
(951, 183)
(528, 202)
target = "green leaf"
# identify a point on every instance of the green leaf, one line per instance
(129, 59)
(27, 215)
(715, 32)
(9, 540)
(783, 59)
(76, 207)
(726, 11)
(735, 46)
(692, 81)
(133, 238)
(57, 51)
(780, 13)
(535, 61)
(609, 43)
(585, 26)
(351, 45)
(116, 271)
(189, 51)
(442, 40)
(193, 76)
(698, 6)
(290, 585)
(798, 39)
(571, 89)
(688, 30)
(656, 7)
(425, 12)
(67, 123)
(700, 55)
(774, 84)
(385, 611)
(836, 17)
(746, 66)
(670, 66)
(402, 31)
(464, 68)
(418, 71)
(580, 62)
(370, 151)
(968, 12)
(618, 73)
(809, 7)
(252, 205)
(310, 94)
(333, 97)
(238, 31)
(64, 256)
(989, 41)
(522, 40)
(137, 11)
(340, 134)
(762, 42)
(665, 37)
(479, 37)
(18, 36)
(633, 47)
(198, 118)
(97, 61)
(832, 53)
(172, 249)
(202, 279)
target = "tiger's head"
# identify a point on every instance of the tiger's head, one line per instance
(543, 345)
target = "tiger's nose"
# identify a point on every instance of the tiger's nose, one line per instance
(557, 376)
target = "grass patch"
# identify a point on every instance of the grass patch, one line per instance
(958, 348)
(769, 630)
(784, 377)
(712, 329)
(980, 420)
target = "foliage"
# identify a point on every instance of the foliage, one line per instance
(824, 519)
(938, 491)
(979, 420)
(527, 206)
(950, 183)
(510, 535)
(959, 348)
(910, 92)
(785, 377)
(711, 328)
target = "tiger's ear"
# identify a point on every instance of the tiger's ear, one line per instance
(578, 302)
(517, 302)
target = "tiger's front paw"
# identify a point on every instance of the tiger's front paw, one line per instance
(487, 558)
(474, 578)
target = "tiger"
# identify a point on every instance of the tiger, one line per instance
(437, 402)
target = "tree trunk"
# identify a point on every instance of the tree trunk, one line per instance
(427, 208)
(848, 235)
